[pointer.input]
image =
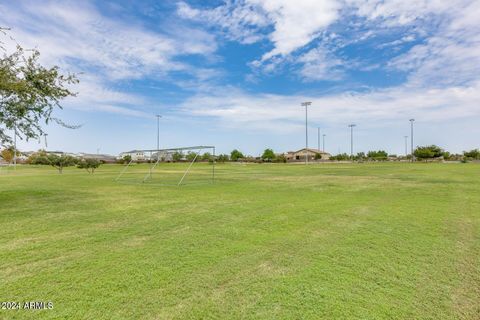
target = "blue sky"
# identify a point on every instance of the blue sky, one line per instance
(233, 73)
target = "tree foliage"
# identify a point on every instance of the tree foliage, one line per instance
(340, 157)
(60, 162)
(191, 155)
(281, 158)
(207, 156)
(428, 152)
(39, 157)
(89, 164)
(29, 93)
(177, 156)
(8, 154)
(472, 154)
(268, 155)
(360, 156)
(236, 155)
(126, 159)
(222, 158)
(379, 155)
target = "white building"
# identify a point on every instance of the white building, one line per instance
(137, 155)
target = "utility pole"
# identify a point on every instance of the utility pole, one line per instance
(351, 126)
(411, 136)
(323, 149)
(306, 104)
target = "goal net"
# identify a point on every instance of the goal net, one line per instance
(176, 166)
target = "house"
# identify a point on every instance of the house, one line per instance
(106, 158)
(311, 153)
(137, 155)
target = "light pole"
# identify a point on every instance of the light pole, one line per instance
(323, 149)
(318, 133)
(158, 135)
(306, 104)
(406, 145)
(411, 136)
(351, 126)
(158, 131)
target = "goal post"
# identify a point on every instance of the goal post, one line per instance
(174, 166)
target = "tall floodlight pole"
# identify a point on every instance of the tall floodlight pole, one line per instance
(306, 104)
(351, 126)
(158, 134)
(406, 145)
(411, 137)
(158, 131)
(318, 133)
(323, 149)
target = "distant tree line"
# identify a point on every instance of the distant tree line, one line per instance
(60, 162)
(422, 153)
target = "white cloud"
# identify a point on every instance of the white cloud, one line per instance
(449, 28)
(283, 113)
(94, 95)
(75, 33)
(241, 21)
(296, 23)
(102, 50)
(319, 64)
(449, 57)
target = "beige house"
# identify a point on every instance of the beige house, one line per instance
(299, 155)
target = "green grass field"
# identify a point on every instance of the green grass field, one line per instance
(332, 241)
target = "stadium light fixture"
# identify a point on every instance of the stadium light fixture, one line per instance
(306, 104)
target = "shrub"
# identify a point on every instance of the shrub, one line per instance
(340, 157)
(89, 164)
(39, 157)
(379, 155)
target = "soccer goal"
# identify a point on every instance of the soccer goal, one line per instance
(176, 166)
